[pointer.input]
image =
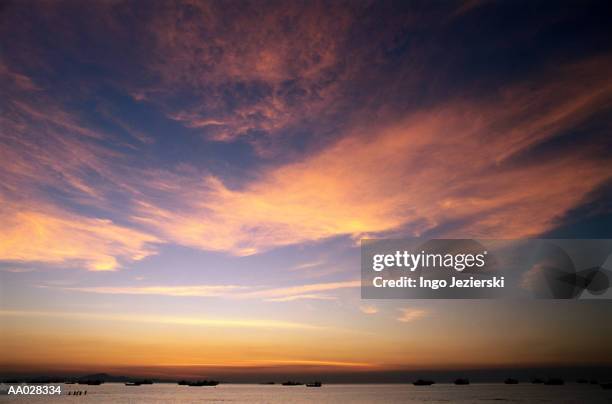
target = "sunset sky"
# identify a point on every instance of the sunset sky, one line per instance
(183, 185)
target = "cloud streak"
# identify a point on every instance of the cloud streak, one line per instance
(368, 309)
(285, 294)
(409, 315)
(172, 320)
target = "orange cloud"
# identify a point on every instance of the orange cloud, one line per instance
(44, 147)
(368, 309)
(451, 165)
(57, 237)
(450, 169)
(409, 315)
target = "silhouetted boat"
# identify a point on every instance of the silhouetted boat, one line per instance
(606, 386)
(462, 382)
(290, 383)
(537, 381)
(146, 381)
(554, 382)
(315, 384)
(511, 381)
(201, 383)
(422, 382)
(197, 383)
(132, 384)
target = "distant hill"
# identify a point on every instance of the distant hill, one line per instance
(105, 377)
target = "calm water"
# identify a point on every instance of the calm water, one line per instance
(364, 393)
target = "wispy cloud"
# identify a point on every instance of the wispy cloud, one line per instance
(407, 175)
(195, 290)
(301, 297)
(52, 162)
(56, 237)
(18, 270)
(450, 169)
(308, 265)
(17, 79)
(300, 292)
(368, 309)
(408, 315)
(458, 167)
(246, 79)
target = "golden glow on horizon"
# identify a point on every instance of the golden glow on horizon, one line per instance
(94, 341)
(176, 320)
(276, 363)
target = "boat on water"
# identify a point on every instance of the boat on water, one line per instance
(291, 383)
(132, 384)
(554, 382)
(462, 382)
(422, 382)
(201, 383)
(146, 381)
(511, 381)
(314, 384)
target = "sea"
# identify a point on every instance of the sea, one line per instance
(330, 393)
